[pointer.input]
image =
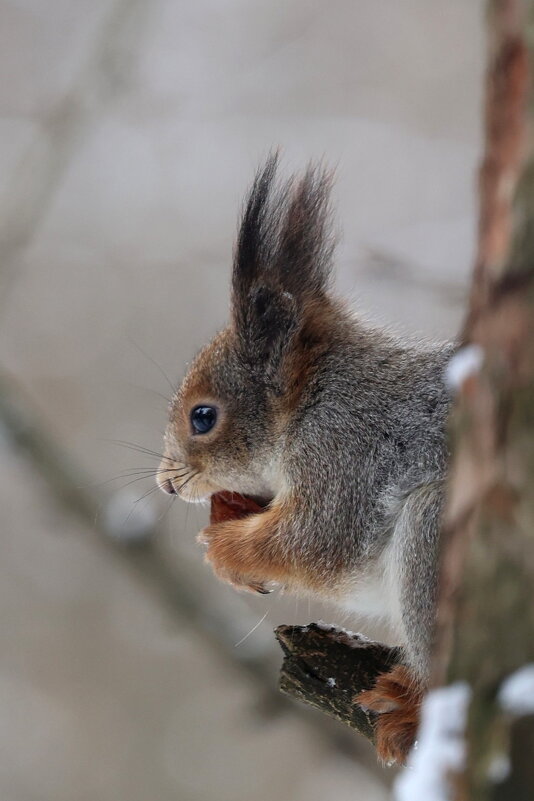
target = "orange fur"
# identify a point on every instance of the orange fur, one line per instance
(396, 698)
(249, 553)
(320, 316)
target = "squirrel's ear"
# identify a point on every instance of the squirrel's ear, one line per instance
(283, 254)
(265, 325)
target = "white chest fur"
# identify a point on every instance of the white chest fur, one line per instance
(374, 593)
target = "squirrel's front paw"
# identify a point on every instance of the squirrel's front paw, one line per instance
(226, 558)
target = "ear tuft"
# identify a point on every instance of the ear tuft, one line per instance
(268, 322)
(254, 239)
(284, 249)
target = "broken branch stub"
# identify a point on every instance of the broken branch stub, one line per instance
(326, 667)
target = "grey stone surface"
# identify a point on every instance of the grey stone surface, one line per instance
(128, 134)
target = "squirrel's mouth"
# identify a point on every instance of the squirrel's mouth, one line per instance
(233, 506)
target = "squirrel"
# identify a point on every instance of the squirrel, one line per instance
(336, 429)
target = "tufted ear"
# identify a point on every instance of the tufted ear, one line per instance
(282, 260)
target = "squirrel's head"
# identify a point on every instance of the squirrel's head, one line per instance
(229, 416)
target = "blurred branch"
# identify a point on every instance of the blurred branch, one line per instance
(327, 667)
(69, 485)
(174, 585)
(62, 132)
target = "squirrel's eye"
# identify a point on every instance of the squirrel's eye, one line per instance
(203, 418)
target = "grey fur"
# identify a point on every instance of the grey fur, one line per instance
(362, 447)
(367, 451)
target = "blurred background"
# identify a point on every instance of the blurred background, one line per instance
(129, 132)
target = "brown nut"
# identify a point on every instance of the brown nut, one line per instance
(231, 506)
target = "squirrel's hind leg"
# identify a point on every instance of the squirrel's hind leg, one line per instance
(397, 694)
(396, 699)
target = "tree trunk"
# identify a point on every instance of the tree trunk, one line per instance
(486, 617)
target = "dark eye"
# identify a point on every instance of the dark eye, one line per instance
(203, 418)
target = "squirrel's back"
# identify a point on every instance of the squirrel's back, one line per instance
(371, 417)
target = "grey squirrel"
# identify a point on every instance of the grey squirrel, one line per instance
(335, 427)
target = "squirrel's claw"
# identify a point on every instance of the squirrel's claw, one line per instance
(252, 586)
(241, 582)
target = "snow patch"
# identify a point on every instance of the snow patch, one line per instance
(326, 626)
(499, 768)
(465, 363)
(359, 639)
(516, 695)
(440, 746)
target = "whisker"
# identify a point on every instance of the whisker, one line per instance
(154, 362)
(134, 504)
(148, 472)
(161, 395)
(180, 488)
(135, 480)
(252, 630)
(152, 391)
(164, 514)
(139, 448)
(151, 471)
(142, 478)
(178, 473)
(145, 495)
(187, 511)
(111, 480)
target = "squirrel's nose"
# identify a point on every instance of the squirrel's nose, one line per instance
(167, 486)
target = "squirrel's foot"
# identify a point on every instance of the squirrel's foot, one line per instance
(213, 539)
(396, 699)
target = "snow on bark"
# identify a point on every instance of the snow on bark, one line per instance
(440, 749)
(465, 363)
(516, 695)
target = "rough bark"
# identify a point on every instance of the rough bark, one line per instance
(486, 619)
(327, 667)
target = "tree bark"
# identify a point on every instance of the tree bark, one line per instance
(327, 667)
(486, 615)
